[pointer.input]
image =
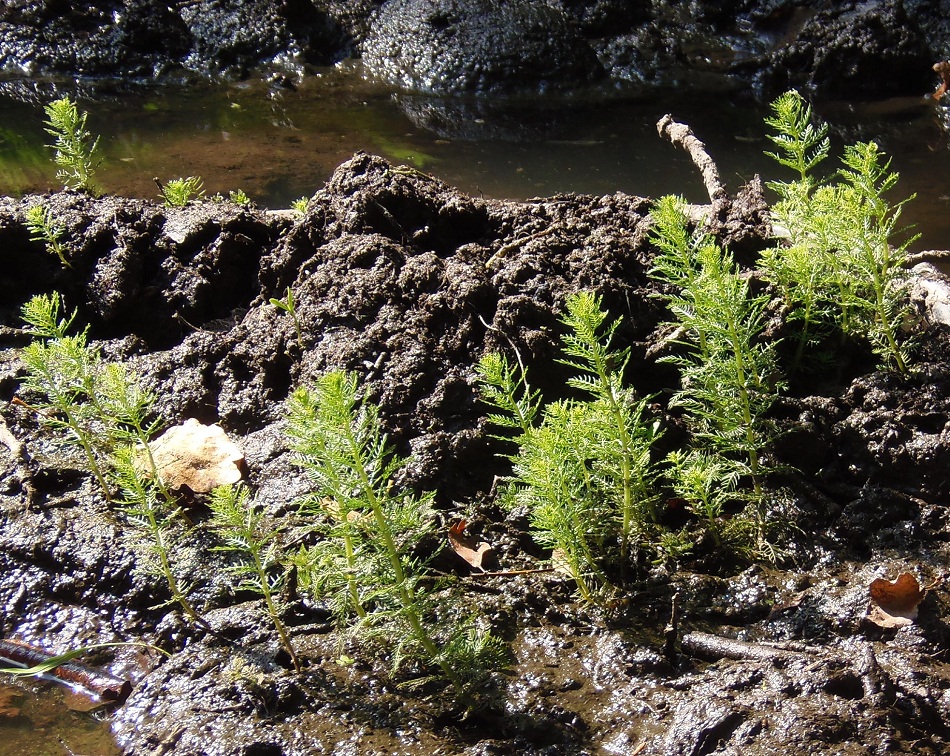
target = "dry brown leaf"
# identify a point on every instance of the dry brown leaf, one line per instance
(478, 554)
(894, 603)
(197, 456)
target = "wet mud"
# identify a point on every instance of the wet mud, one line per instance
(408, 282)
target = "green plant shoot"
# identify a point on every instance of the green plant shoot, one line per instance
(44, 228)
(179, 192)
(584, 471)
(240, 525)
(289, 305)
(374, 532)
(75, 148)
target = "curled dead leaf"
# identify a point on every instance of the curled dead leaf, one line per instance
(894, 603)
(197, 456)
(478, 554)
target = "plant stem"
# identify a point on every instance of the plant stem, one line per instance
(406, 594)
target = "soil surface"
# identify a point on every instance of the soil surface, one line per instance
(408, 282)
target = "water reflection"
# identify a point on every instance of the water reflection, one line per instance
(280, 144)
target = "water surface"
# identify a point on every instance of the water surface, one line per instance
(280, 144)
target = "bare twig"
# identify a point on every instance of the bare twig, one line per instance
(682, 136)
(714, 647)
(23, 460)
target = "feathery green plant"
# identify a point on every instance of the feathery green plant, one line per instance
(584, 472)
(369, 560)
(289, 305)
(728, 375)
(838, 270)
(44, 228)
(706, 483)
(240, 525)
(179, 192)
(101, 408)
(61, 369)
(74, 145)
(802, 145)
(300, 205)
(239, 197)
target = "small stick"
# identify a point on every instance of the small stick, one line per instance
(682, 136)
(21, 455)
(510, 573)
(671, 631)
(96, 683)
(714, 647)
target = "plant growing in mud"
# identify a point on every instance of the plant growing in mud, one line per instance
(61, 374)
(240, 525)
(75, 147)
(179, 192)
(44, 228)
(300, 204)
(289, 305)
(584, 471)
(838, 270)
(101, 408)
(368, 565)
(728, 376)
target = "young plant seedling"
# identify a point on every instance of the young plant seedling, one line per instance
(44, 228)
(240, 525)
(584, 472)
(375, 533)
(75, 148)
(61, 370)
(300, 205)
(179, 192)
(728, 376)
(289, 305)
(102, 409)
(838, 269)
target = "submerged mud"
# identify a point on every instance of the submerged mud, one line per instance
(408, 282)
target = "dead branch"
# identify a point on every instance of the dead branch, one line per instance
(714, 647)
(682, 136)
(22, 460)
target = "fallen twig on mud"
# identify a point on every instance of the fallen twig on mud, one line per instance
(682, 136)
(23, 461)
(510, 573)
(714, 647)
(96, 683)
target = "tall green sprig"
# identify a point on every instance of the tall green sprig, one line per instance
(728, 375)
(838, 268)
(61, 368)
(378, 529)
(583, 471)
(240, 525)
(624, 460)
(101, 408)
(802, 144)
(867, 224)
(74, 145)
(44, 228)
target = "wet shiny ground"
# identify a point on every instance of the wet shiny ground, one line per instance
(35, 721)
(278, 144)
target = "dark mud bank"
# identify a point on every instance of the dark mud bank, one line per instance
(836, 50)
(407, 282)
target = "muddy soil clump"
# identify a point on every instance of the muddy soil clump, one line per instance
(407, 282)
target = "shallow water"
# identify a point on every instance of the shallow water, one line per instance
(280, 144)
(35, 721)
